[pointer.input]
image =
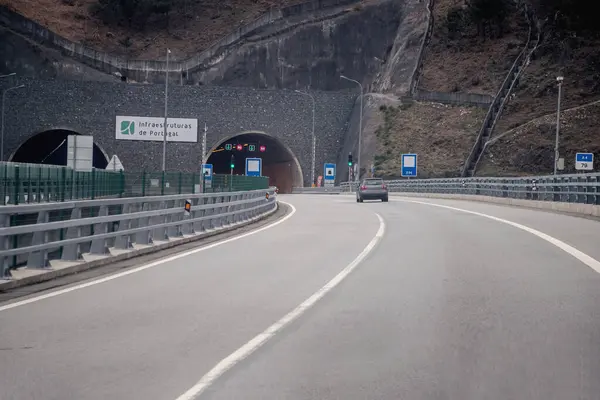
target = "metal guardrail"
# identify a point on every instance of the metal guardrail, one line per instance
(34, 234)
(316, 190)
(577, 188)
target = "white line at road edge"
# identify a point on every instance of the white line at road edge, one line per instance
(581, 256)
(247, 349)
(147, 266)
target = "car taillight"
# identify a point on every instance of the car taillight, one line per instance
(383, 187)
(363, 188)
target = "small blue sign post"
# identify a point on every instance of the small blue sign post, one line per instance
(329, 174)
(584, 161)
(207, 175)
(253, 166)
(409, 165)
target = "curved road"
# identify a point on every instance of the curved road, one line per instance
(411, 299)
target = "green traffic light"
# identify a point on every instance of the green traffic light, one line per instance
(349, 164)
(231, 166)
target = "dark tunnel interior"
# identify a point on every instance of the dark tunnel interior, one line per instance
(50, 147)
(278, 163)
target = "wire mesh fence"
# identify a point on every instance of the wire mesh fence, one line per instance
(37, 183)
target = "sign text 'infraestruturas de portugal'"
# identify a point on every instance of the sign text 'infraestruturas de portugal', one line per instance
(152, 129)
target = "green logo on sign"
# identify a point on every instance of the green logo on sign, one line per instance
(127, 127)
(251, 147)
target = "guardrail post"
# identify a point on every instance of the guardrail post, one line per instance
(229, 219)
(215, 210)
(39, 259)
(99, 246)
(144, 237)
(188, 228)
(71, 251)
(160, 233)
(198, 226)
(123, 242)
(5, 245)
(175, 230)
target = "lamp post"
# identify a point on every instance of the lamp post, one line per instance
(164, 155)
(2, 129)
(359, 124)
(314, 139)
(560, 80)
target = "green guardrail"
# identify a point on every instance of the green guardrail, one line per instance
(38, 183)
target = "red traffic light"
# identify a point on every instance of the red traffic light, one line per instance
(239, 147)
(262, 148)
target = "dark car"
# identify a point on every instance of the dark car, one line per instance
(372, 189)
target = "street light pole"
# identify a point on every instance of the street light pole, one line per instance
(556, 154)
(2, 128)
(164, 155)
(314, 139)
(357, 177)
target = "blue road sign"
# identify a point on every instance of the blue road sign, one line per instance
(329, 172)
(253, 166)
(207, 172)
(584, 161)
(409, 165)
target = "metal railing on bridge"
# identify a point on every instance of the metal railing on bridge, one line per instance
(38, 183)
(33, 235)
(576, 188)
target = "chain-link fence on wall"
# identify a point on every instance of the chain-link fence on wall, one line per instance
(37, 183)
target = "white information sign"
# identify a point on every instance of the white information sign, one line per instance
(152, 129)
(80, 152)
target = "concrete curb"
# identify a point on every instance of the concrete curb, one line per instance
(578, 209)
(84, 266)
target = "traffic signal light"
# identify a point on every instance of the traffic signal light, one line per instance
(349, 159)
(232, 162)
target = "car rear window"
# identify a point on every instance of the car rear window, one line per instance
(374, 182)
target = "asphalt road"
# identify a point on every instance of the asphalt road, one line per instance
(448, 305)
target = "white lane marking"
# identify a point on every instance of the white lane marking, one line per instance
(250, 347)
(147, 266)
(581, 256)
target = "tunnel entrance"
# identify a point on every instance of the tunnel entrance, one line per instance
(278, 161)
(50, 147)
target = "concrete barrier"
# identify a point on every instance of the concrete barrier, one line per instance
(589, 210)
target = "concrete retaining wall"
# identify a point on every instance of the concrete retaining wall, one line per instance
(458, 99)
(110, 63)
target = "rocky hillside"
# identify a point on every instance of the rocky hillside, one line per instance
(441, 135)
(185, 26)
(470, 57)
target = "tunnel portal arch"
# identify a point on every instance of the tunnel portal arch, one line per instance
(279, 162)
(50, 147)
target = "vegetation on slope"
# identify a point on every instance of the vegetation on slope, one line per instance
(472, 53)
(472, 48)
(441, 135)
(529, 149)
